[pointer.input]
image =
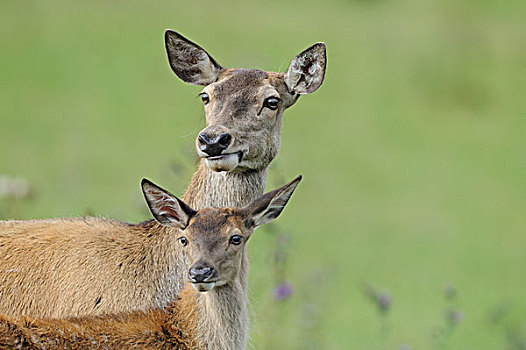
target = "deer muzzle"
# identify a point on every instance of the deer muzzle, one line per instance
(203, 279)
(214, 144)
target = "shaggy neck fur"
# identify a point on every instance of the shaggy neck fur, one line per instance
(210, 189)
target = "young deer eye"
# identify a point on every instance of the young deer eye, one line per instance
(236, 239)
(183, 241)
(271, 103)
(204, 97)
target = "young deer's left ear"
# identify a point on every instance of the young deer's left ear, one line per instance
(166, 208)
(307, 70)
(268, 207)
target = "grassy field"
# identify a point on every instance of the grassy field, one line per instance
(413, 152)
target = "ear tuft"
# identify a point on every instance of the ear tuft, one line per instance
(189, 61)
(307, 70)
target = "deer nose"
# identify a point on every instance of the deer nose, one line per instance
(200, 274)
(214, 146)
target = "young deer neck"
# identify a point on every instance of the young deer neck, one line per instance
(221, 315)
(224, 189)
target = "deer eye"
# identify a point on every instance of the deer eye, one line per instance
(183, 241)
(236, 239)
(271, 103)
(204, 97)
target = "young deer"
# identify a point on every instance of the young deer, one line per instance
(210, 313)
(62, 268)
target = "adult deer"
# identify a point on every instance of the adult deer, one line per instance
(243, 109)
(210, 313)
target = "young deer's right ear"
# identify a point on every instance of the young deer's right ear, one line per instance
(268, 207)
(166, 208)
(189, 61)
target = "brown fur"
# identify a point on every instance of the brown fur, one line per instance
(156, 329)
(63, 267)
(215, 320)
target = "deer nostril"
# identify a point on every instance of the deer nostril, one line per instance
(224, 139)
(203, 139)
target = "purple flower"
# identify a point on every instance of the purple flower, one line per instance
(455, 316)
(383, 301)
(283, 291)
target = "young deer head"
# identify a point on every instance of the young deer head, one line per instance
(214, 239)
(243, 107)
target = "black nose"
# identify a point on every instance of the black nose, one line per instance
(200, 274)
(213, 146)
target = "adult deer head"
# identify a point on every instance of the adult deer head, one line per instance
(243, 107)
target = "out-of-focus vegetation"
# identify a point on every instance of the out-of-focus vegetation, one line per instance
(413, 152)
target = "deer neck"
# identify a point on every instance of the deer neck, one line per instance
(219, 318)
(224, 189)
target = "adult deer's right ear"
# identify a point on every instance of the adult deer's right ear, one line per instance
(166, 208)
(189, 61)
(268, 207)
(307, 70)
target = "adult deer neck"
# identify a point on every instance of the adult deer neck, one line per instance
(224, 189)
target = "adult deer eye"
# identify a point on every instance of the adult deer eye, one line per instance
(236, 240)
(204, 97)
(272, 103)
(183, 241)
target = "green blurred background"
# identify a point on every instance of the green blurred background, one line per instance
(408, 231)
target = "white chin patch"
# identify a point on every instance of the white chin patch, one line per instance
(226, 162)
(204, 286)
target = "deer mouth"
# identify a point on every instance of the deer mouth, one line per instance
(224, 162)
(203, 286)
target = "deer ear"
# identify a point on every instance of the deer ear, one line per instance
(307, 70)
(166, 208)
(189, 61)
(268, 207)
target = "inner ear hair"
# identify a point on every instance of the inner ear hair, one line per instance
(166, 208)
(307, 70)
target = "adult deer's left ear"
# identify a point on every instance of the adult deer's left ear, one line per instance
(268, 207)
(307, 70)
